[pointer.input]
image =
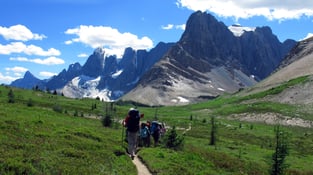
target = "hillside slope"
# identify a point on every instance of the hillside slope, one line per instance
(298, 63)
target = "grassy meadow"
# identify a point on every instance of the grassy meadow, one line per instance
(42, 133)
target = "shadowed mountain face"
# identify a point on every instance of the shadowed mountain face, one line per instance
(297, 64)
(27, 82)
(207, 61)
(210, 60)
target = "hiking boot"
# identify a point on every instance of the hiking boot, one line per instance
(132, 157)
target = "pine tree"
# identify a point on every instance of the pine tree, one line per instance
(281, 151)
(11, 96)
(30, 102)
(213, 131)
(173, 140)
(107, 121)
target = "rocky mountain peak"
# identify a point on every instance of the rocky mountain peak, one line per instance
(95, 63)
(99, 51)
(208, 39)
(28, 81)
(209, 60)
(28, 75)
(74, 67)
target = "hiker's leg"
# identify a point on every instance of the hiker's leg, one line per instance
(132, 141)
(148, 141)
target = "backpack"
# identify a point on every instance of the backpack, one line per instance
(154, 127)
(144, 132)
(133, 121)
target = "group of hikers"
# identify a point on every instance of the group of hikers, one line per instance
(139, 133)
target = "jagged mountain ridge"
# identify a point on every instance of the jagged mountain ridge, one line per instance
(207, 61)
(107, 77)
(210, 60)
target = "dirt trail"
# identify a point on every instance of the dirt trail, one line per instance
(141, 168)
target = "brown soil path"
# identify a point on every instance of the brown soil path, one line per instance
(141, 168)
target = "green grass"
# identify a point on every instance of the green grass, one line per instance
(39, 140)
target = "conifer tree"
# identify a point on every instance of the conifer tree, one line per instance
(173, 140)
(213, 131)
(281, 151)
(11, 96)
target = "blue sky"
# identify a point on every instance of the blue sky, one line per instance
(46, 36)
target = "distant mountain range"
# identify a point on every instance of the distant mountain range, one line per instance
(208, 60)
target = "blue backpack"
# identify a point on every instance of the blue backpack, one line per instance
(155, 127)
(144, 132)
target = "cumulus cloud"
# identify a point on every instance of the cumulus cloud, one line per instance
(6, 79)
(17, 69)
(111, 39)
(47, 74)
(47, 61)
(19, 47)
(19, 32)
(272, 10)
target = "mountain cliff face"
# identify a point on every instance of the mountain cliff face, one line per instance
(298, 63)
(208, 60)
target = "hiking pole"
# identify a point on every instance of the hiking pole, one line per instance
(122, 133)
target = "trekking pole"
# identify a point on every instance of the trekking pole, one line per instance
(122, 133)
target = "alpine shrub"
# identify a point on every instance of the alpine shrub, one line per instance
(172, 140)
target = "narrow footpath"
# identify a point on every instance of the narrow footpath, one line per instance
(141, 168)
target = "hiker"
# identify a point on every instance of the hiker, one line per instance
(132, 123)
(145, 135)
(162, 129)
(155, 132)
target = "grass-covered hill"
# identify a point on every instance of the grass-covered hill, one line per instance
(42, 133)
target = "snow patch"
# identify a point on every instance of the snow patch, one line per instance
(238, 30)
(180, 100)
(86, 87)
(117, 73)
(221, 89)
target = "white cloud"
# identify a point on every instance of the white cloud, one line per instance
(82, 55)
(182, 26)
(6, 79)
(168, 27)
(172, 26)
(47, 74)
(48, 61)
(19, 47)
(111, 39)
(309, 35)
(68, 42)
(274, 9)
(16, 69)
(19, 32)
